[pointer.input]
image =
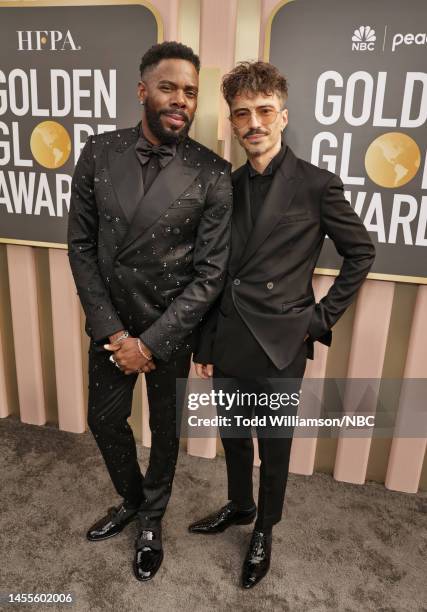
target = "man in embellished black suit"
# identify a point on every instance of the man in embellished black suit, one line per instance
(257, 337)
(148, 242)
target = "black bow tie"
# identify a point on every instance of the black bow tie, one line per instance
(145, 150)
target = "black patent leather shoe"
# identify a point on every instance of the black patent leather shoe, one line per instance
(257, 561)
(149, 553)
(112, 523)
(219, 521)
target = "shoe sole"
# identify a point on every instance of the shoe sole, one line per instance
(242, 521)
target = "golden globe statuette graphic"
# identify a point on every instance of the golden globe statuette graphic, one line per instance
(392, 159)
(50, 144)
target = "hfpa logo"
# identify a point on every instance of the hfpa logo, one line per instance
(52, 40)
(363, 39)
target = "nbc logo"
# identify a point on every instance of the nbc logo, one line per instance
(363, 39)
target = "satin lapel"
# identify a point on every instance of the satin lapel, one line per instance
(242, 223)
(279, 197)
(126, 177)
(172, 181)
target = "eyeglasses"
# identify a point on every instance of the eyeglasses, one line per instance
(264, 114)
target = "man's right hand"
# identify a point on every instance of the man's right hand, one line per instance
(204, 370)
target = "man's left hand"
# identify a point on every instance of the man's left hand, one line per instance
(128, 356)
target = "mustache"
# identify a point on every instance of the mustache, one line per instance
(179, 113)
(254, 131)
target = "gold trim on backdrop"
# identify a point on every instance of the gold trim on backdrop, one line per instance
(267, 36)
(51, 245)
(398, 278)
(53, 3)
(420, 280)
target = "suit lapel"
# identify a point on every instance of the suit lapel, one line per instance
(242, 222)
(172, 181)
(126, 177)
(279, 197)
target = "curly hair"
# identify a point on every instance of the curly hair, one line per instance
(254, 78)
(169, 49)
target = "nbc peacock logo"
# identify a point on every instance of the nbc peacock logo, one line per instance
(363, 39)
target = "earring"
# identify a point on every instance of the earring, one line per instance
(141, 102)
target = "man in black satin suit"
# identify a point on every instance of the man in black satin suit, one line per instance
(148, 236)
(263, 327)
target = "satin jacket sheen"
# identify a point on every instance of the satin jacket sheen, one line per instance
(269, 282)
(150, 263)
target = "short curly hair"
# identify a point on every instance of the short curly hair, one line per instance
(254, 78)
(169, 49)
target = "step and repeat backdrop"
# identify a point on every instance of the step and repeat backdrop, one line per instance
(65, 73)
(358, 107)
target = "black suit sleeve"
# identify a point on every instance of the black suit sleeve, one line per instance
(102, 318)
(211, 253)
(352, 241)
(206, 337)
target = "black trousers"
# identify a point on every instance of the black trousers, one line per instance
(110, 405)
(274, 447)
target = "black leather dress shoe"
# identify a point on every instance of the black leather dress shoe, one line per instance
(149, 553)
(112, 523)
(257, 561)
(223, 518)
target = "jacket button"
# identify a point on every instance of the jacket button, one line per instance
(270, 285)
(108, 217)
(236, 281)
(176, 230)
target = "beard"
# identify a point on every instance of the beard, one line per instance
(166, 136)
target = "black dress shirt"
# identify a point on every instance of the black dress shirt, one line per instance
(259, 184)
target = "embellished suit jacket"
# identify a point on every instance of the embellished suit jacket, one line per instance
(152, 263)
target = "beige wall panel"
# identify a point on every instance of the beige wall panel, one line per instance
(146, 432)
(4, 404)
(370, 331)
(394, 364)
(67, 344)
(407, 454)
(201, 447)
(189, 23)
(26, 333)
(41, 256)
(336, 367)
(9, 386)
(247, 30)
(217, 49)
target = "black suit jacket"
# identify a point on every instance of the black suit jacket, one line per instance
(268, 292)
(151, 263)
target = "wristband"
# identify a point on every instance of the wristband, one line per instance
(141, 350)
(122, 337)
